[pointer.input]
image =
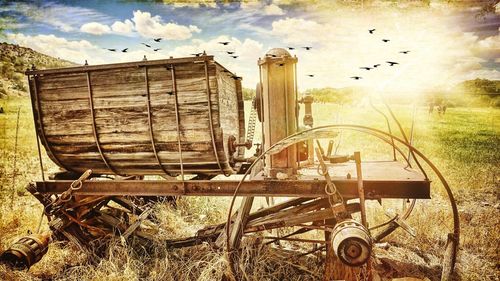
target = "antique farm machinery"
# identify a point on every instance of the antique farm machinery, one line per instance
(127, 133)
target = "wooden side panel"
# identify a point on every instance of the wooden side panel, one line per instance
(126, 135)
(229, 105)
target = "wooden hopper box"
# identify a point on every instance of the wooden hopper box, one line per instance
(141, 118)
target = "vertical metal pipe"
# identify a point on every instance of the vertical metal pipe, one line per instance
(42, 131)
(94, 126)
(150, 121)
(261, 106)
(361, 191)
(297, 152)
(177, 119)
(210, 121)
(32, 78)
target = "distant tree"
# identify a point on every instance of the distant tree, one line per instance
(333, 95)
(248, 94)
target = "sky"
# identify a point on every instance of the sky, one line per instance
(447, 42)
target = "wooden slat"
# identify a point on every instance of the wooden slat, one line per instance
(122, 119)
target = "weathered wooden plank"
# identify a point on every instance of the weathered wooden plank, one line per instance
(129, 75)
(124, 157)
(131, 148)
(188, 136)
(228, 104)
(121, 117)
(186, 92)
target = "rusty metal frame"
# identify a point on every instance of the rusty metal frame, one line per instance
(150, 121)
(373, 189)
(177, 119)
(94, 126)
(210, 121)
(30, 77)
(42, 130)
(87, 68)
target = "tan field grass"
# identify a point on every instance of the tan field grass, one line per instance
(464, 144)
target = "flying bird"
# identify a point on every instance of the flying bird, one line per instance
(111, 50)
(386, 40)
(149, 46)
(356, 77)
(391, 63)
(371, 30)
(307, 48)
(404, 52)
(224, 43)
(230, 53)
(366, 68)
(157, 39)
(376, 65)
(125, 50)
(156, 50)
(310, 75)
(234, 57)
(291, 48)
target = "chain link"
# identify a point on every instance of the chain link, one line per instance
(334, 196)
(67, 195)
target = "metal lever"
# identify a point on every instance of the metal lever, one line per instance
(402, 223)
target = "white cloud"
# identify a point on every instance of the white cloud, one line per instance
(65, 18)
(145, 25)
(491, 74)
(250, 5)
(261, 8)
(95, 28)
(297, 30)
(76, 51)
(273, 10)
(441, 53)
(126, 27)
(195, 4)
(150, 27)
(248, 52)
(489, 47)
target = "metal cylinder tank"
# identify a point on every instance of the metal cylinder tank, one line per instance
(279, 108)
(351, 243)
(26, 251)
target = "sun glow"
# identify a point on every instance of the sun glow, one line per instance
(440, 53)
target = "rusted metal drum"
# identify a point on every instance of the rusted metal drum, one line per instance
(26, 251)
(351, 243)
(162, 117)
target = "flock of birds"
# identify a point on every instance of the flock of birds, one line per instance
(368, 68)
(233, 54)
(157, 40)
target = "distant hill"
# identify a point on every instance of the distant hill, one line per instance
(14, 60)
(480, 87)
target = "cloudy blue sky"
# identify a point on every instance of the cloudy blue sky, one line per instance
(447, 43)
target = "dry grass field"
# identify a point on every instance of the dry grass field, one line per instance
(464, 144)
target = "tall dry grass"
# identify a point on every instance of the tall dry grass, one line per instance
(464, 144)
